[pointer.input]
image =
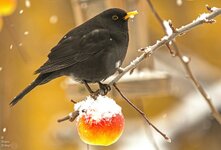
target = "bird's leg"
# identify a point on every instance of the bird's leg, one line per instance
(92, 93)
(104, 88)
(88, 87)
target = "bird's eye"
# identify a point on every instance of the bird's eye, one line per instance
(115, 17)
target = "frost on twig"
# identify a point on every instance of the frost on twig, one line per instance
(185, 59)
(169, 27)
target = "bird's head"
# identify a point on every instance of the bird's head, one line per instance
(116, 18)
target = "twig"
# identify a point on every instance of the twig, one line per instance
(73, 101)
(161, 23)
(197, 84)
(71, 117)
(156, 14)
(142, 114)
(185, 60)
(149, 131)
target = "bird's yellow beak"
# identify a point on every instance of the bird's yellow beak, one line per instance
(130, 14)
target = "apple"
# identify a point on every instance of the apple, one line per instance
(100, 121)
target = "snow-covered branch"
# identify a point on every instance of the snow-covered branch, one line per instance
(148, 51)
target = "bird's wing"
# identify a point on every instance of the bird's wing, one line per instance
(70, 51)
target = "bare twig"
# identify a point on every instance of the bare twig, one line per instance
(149, 131)
(156, 14)
(197, 84)
(160, 21)
(71, 117)
(73, 101)
(141, 113)
(185, 60)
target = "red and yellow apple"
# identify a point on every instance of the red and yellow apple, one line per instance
(100, 122)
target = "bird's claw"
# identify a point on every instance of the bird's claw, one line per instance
(104, 89)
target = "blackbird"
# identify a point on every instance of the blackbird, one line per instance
(89, 53)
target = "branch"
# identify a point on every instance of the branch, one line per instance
(148, 51)
(142, 114)
(204, 18)
(185, 61)
(71, 117)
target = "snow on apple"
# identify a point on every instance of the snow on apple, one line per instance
(100, 121)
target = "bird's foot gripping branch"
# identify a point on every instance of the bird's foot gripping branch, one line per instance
(103, 89)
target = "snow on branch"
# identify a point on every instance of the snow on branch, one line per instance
(148, 51)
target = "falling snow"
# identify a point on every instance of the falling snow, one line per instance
(4, 130)
(179, 2)
(20, 44)
(11, 47)
(53, 19)
(26, 33)
(21, 11)
(27, 3)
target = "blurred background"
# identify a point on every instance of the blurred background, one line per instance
(159, 86)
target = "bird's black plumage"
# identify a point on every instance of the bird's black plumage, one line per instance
(90, 52)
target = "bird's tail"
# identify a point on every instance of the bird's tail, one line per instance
(30, 87)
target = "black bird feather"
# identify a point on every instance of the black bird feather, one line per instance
(90, 52)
